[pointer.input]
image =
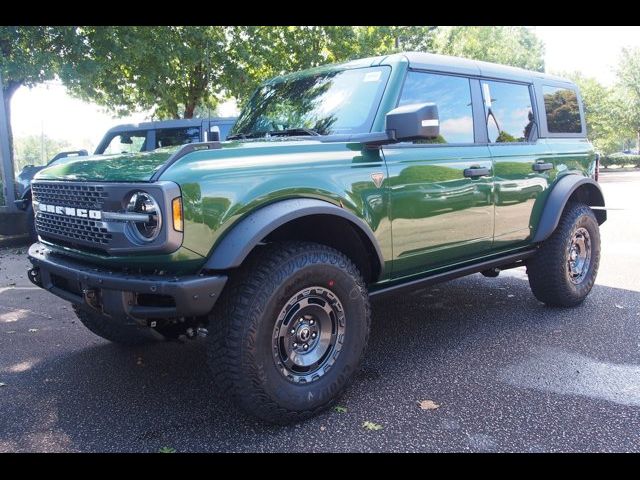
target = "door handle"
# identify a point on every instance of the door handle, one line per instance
(542, 167)
(474, 172)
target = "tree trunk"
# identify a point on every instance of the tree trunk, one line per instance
(11, 88)
(189, 109)
(638, 141)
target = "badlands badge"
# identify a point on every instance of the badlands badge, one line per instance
(377, 178)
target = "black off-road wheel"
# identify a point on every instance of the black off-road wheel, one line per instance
(290, 331)
(115, 331)
(564, 269)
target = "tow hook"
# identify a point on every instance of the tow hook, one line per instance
(34, 276)
(193, 333)
(91, 298)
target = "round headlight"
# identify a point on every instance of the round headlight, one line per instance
(142, 203)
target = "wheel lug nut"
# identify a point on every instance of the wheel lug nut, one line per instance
(295, 345)
(306, 347)
(292, 331)
(311, 322)
(314, 335)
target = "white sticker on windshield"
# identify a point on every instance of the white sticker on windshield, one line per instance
(372, 76)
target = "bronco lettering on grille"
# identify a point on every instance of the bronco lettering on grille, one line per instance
(70, 211)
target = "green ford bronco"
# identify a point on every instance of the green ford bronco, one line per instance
(336, 184)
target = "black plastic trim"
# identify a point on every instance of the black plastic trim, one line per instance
(194, 295)
(455, 273)
(557, 200)
(250, 231)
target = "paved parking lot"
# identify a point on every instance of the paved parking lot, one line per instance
(508, 373)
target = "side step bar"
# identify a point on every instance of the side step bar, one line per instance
(508, 260)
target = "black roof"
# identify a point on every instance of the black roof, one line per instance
(463, 66)
(433, 61)
(183, 122)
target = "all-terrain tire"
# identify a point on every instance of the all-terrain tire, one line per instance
(114, 331)
(243, 342)
(549, 271)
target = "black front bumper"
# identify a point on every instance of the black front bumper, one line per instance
(123, 294)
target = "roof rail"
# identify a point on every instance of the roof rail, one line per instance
(185, 150)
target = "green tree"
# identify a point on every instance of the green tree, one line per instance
(36, 150)
(628, 89)
(177, 71)
(603, 113)
(170, 70)
(30, 55)
(515, 46)
(257, 53)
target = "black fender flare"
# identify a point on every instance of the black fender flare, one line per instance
(249, 231)
(558, 198)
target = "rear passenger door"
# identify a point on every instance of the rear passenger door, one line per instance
(521, 162)
(441, 190)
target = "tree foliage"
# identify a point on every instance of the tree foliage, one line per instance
(628, 88)
(36, 150)
(30, 55)
(171, 70)
(175, 71)
(603, 110)
(515, 46)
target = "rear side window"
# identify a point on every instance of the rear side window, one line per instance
(451, 94)
(562, 110)
(508, 112)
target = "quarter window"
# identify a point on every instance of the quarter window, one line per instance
(561, 108)
(452, 95)
(508, 112)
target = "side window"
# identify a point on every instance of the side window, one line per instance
(126, 143)
(561, 108)
(508, 112)
(451, 94)
(169, 137)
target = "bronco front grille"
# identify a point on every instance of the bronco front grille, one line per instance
(72, 228)
(66, 195)
(76, 231)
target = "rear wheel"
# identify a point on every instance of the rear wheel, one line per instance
(564, 269)
(290, 331)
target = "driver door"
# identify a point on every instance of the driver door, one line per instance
(441, 190)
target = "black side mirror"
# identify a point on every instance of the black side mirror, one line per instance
(213, 135)
(413, 122)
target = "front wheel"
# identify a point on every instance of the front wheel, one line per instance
(564, 269)
(290, 331)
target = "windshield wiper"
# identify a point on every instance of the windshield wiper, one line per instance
(236, 136)
(294, 132)
(245, 135)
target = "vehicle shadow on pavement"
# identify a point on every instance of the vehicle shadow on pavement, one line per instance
(440, 343)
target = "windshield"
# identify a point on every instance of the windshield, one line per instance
(340, 101)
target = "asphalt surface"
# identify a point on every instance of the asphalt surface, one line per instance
(508, 373)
